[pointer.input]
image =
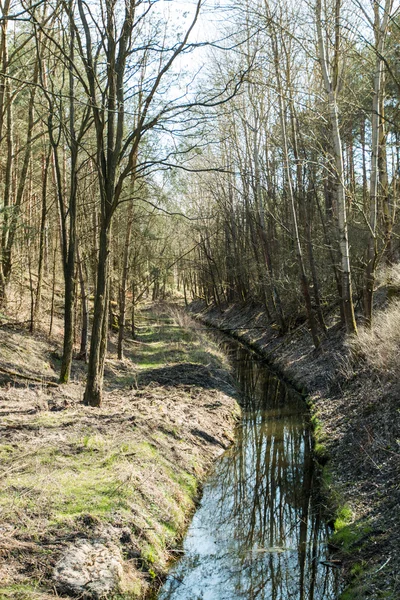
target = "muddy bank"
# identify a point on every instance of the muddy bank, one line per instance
(356, 416)
(94, 502)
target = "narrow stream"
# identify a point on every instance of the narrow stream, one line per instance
(258, 532)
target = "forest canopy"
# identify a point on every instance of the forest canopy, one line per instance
(233, 152)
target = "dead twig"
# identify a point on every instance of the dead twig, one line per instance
(28, 378)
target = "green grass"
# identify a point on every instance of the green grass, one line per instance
(326, 478)
(167, 343)
(188, 483)
(320, 448)
(343, 519)
(19, 592)
(6, 452)
(350, 535)
(117, 471)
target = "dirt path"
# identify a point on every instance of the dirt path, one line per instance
(95, 501)
(356, 413)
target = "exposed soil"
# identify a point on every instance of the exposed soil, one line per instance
(114, 485)
(356, 412)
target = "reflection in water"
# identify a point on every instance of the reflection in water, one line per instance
(257, 533)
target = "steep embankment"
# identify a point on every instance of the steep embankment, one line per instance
(94, 502)
(355, 407)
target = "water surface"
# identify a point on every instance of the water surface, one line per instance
(258, 532)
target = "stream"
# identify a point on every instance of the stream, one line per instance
(258, 532)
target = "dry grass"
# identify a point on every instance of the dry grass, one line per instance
(389, 276)
(379, 346)
(69, 471)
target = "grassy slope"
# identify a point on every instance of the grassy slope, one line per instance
(354, 392)
(128, 470)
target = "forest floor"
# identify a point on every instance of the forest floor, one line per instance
(356, 414)
(94, 500)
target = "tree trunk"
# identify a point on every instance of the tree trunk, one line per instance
(12, 223)
(69, 254)
(123, 286)
(85, 310)
(299, 252)
(331, 85)
(7, 199)
(94, 383)
(133, 327)
(46, 162)
(53, 288)
(380, 29)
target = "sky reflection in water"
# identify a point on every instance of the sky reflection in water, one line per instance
(257, 533)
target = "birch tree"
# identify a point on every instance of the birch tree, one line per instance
(380, 24)
(329, 59)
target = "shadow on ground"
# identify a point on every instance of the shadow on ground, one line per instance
(187, 374)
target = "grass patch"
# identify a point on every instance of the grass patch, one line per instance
(326, 478)
(178, 339)
(131, 465)
(350, 535)
(343, 518)
(320, 449)
(355, 592)
(20, 592)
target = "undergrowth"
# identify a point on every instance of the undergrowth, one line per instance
(379, 346)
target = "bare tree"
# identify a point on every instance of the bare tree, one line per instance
(330, 75)
(380, 28)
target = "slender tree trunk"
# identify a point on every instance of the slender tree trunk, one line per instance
(380, 28)
(184, 289)
(53, 288)
(388, 213)
(69, 255)
(124, 283)
(299, 252)
(7, 199)
(122, 301)
(12, 219)
(5, 109)
(364, 164)
(331, 85)
(133, 305)
(305, 206)
(313, 268)
(259, 203)
(46, 162)
(94, 384)
(31, 286)
(85, 310)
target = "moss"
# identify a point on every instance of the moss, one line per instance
(353, 593)
(189, 483)
(350, 535)
(326, 477)
(6, 450)
(321, 452)
(358, 568)
(20, 592)
(149, 554)
(316, 425)
(320, 448)
(344, 517)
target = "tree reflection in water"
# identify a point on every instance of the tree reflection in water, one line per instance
(257, 533)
